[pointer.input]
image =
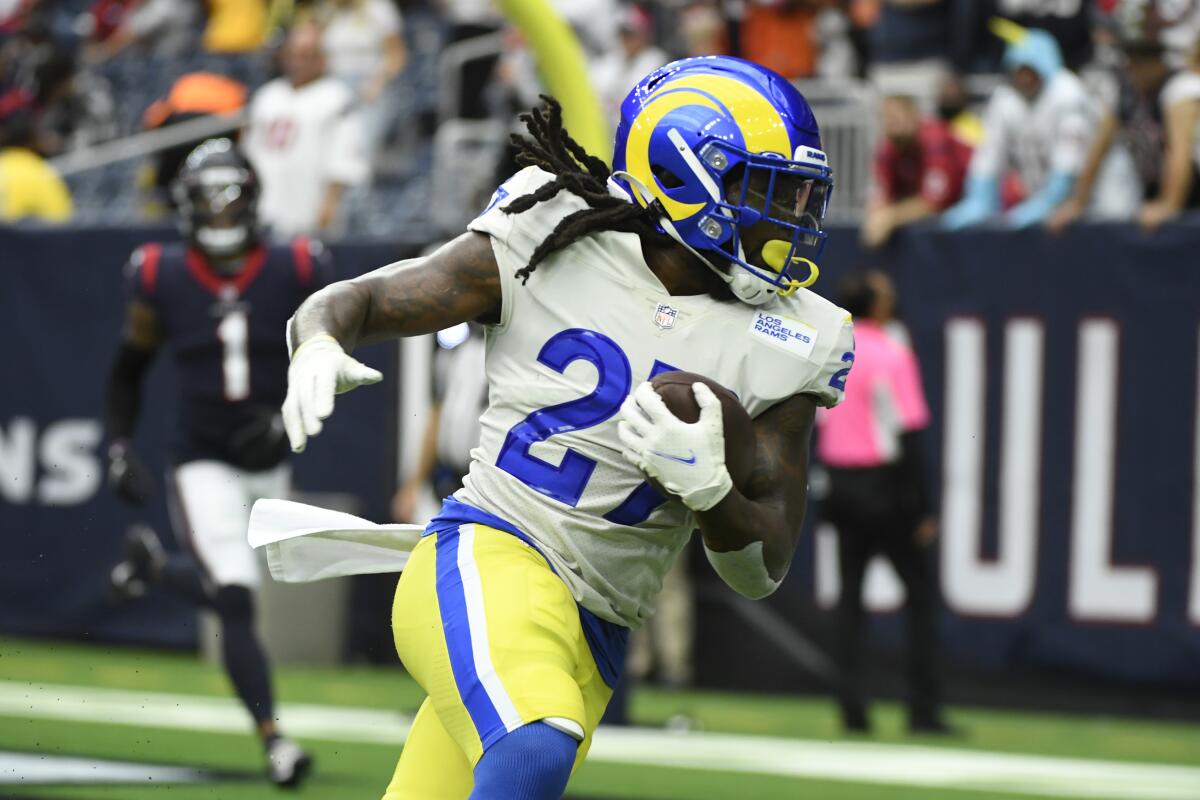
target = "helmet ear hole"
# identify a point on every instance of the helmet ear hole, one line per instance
(668, 179)
(655, 80)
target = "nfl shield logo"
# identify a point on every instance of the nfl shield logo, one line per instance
(664, 316)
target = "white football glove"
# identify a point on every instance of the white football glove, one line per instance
(320, 369)
(687, 459)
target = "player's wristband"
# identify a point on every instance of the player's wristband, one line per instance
(744, 571)
(320, 337)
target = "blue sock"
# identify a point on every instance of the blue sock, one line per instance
(531, 763)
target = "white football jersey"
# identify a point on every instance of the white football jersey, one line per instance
(589, 325)
(300, 140)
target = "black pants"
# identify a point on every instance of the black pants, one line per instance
(866, 507)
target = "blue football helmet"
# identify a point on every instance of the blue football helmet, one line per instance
(719, 144)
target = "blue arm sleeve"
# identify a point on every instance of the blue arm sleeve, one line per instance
(981, 199)
(1033, 210)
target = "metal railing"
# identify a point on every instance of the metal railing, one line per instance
(465, 155)
(846, 112)
(146, 143)
(451, 65)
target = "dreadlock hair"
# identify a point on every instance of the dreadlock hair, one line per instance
(551, 148)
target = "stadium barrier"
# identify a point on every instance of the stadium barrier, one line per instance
(1061, 371)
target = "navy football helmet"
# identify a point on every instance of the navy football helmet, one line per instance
(216, 194)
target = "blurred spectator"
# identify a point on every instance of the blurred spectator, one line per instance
(619, 71)
(878, 499)
(304, 140)
(1177, 27)
(365, 49)
(953, 106)
(703, 30)
(910, 48)
(1070, 23)
(589, 19)
(1156, 116)
(839, 59)
(863, 15)
(23, 53)
(781, 35)
(11, 15)
(105, 17)
(14, 99)
(472, 19)
(235, 26)
(29, 187)
(195, 94)
(75, 108)
(1040, 124)
(920, 167)
(38, 71)
(594, 22)
(149, 27)
(363, 43)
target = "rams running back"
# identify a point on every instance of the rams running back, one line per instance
(694, 252)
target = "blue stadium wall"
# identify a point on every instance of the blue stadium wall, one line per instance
(1061, 372)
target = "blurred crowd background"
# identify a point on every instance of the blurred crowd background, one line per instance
(382, 126)
(1021, 112)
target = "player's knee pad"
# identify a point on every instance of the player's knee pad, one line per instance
(234, 603)
(533, 762)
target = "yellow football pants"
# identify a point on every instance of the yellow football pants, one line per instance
(494, 637)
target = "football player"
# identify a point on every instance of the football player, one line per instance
(692, 253)
(217, 301)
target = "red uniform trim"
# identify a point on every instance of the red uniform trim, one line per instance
(303, 260)
(204, 275)
(151, 253)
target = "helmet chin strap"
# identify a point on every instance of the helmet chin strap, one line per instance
(745, 287)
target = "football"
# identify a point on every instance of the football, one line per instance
(675, 388)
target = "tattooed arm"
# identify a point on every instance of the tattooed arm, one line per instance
(457, 283)
(770, 508)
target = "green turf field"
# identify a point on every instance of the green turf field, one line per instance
(153, 708)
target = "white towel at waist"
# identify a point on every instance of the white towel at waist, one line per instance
(306, 543)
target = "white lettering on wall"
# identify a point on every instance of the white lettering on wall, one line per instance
(72, 471)
(17, 465)
(1100, 591)
(1003, 586)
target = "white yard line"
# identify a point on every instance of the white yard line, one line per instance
(193, 712)
(862, 762)
(26, 769)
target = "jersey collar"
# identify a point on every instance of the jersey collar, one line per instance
(219, 284)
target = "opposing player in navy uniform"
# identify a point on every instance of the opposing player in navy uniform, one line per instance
(219, 301)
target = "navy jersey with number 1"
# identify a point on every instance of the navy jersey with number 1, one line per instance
(226, 338)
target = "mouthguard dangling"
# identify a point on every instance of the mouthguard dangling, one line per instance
(775, 255)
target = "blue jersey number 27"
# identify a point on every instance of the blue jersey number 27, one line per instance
(566, 481)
